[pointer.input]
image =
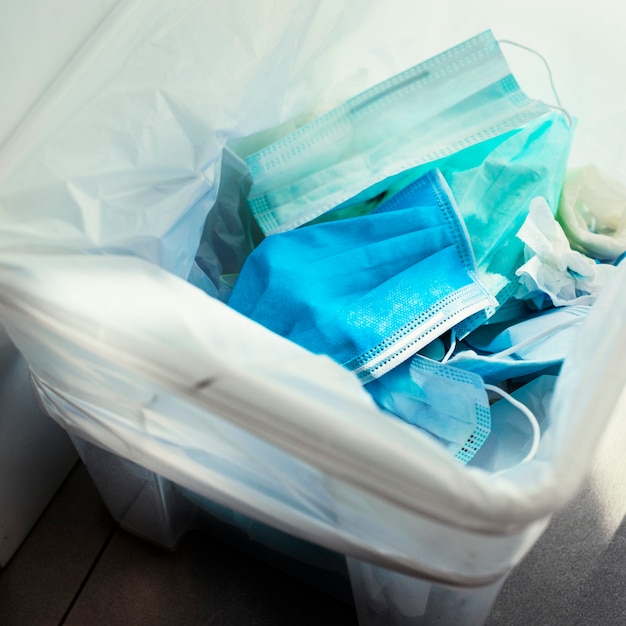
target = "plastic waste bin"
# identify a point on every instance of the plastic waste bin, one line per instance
(106, 185)
(35, 453)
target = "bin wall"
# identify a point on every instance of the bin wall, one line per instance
(35, 453)
(158, 510)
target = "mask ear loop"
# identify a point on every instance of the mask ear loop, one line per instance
(516, 403)
(452, 347)
(558, 106)
(528, 413)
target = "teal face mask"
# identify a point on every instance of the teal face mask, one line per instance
(494, 192)
(461, 98)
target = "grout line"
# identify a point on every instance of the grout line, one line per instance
(88, 575)
(53, 497)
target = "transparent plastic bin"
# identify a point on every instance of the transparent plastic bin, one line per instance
(161, 512)
(35, 452)
(105, 185)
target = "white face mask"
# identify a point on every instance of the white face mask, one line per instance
(460, 98)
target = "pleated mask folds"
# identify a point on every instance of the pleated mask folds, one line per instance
(457, 99)
(368, 291)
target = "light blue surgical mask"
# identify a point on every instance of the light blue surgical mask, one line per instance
(368, 291)
(461, 98)
(529, 347)
(450, 404)
(513, 440)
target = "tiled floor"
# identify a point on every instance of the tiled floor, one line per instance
(77, 568)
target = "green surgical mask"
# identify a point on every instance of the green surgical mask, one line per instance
(494, 192)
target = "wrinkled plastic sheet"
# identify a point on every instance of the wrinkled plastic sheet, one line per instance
(105, 188)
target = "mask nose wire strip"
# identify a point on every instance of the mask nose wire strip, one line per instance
(558, 106)
(541, 335)
(528, 413)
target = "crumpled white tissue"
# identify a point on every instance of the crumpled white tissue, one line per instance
(554, 273)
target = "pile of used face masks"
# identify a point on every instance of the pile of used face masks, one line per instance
(410, 235)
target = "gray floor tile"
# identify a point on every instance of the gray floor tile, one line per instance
(77, 564)
(201, 582)
(573, 576)
(602, 597)
(40, 582)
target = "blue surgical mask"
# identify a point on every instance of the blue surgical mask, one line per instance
(450, 404)
(529, 347)
(463, 97)
(368, 291)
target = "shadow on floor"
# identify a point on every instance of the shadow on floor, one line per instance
(76, 568)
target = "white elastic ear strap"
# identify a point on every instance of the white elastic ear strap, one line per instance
(452, 347)
(558, 106)
(528, 413)
(541, 335)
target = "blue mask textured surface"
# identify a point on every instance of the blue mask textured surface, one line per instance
(368, 291)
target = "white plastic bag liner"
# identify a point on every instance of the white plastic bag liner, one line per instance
(104, 189)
